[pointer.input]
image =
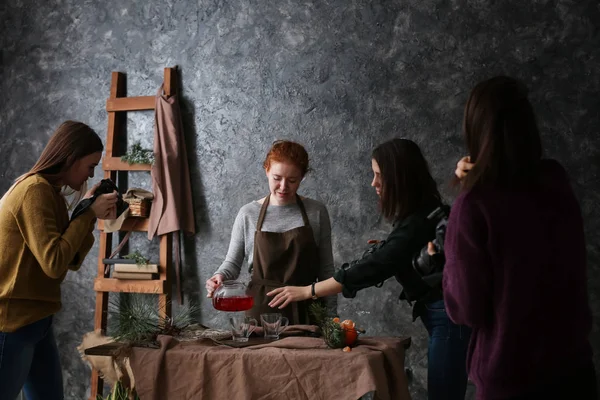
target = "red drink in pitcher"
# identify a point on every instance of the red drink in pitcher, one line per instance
(232, 296)
(239, 303)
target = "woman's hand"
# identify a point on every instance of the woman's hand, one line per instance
(105, 206)
(91, 191)
(213, 283)
(288, 294)
(431, 249)
(463, 167)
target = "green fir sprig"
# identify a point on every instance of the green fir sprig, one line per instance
(118, 392)
(332, 332)
(139, 259)
(138, 155)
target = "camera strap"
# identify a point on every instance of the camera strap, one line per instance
(118, 249)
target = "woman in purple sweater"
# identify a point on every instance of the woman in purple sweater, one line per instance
(515, 257)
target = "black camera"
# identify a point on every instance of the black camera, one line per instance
(106, 186)
(430, 267)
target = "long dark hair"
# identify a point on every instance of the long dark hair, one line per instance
(70, 142)
(501, 134)
(406, 181)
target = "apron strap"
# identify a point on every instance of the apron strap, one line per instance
(302, 210)
(263, 212)
(270, 283)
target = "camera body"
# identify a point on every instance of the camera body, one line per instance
(429, 267)
(105, 186)
(108, 186)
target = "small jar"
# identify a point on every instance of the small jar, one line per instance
(232, 296)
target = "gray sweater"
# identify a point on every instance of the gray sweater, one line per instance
(279, 219)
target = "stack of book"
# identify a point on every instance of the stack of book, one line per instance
(128, 269)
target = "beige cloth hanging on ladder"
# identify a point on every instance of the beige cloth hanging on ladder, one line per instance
(172, 209)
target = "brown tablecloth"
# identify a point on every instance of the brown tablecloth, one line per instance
(295, 368)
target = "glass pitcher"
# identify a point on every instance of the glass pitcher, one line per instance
(232, 296)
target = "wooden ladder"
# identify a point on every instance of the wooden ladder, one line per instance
(117, 106)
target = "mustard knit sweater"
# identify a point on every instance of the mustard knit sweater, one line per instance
(37, 247)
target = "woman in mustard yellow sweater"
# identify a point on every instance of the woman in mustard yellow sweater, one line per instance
(38, 245)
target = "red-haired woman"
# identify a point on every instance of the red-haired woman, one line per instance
(285, 238)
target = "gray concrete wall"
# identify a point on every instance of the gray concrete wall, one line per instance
(339, 76)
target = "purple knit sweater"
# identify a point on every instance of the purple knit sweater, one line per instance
(516, 273)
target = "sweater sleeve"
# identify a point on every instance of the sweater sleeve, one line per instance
(386, 262)
(231, 267)
(84, 250)
(37, 221)
(467, 281)
(326, 268)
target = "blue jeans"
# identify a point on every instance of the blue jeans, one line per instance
(447, 356)
(29, 361)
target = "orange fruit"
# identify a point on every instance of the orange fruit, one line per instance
(347, 349)
(348, 324)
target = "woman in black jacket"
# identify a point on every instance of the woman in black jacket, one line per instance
(408, 195)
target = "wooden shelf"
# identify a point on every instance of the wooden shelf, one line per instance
(131, 103)
(135, 224)
(117, 105)
(115, 164)
(156, 286)
(111, 349)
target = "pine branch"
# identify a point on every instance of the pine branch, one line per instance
(333, 334)
(136, 319)
(118, 393)
(319, 312)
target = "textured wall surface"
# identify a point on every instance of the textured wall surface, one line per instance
(339, 76)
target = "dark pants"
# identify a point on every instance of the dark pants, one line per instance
(447, 357)
(29, 360)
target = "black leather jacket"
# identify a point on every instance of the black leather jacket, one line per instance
(394, 258)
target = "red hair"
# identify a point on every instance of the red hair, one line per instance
(287, 151)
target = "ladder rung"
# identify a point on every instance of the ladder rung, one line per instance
(131, 103)
(136, 224)
(116, 164)
(156, 286)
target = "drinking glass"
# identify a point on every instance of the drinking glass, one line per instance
(242, 327)
(273, 324)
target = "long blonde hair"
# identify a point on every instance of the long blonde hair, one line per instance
(70, 142)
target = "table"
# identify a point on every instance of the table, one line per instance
(291, 368)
